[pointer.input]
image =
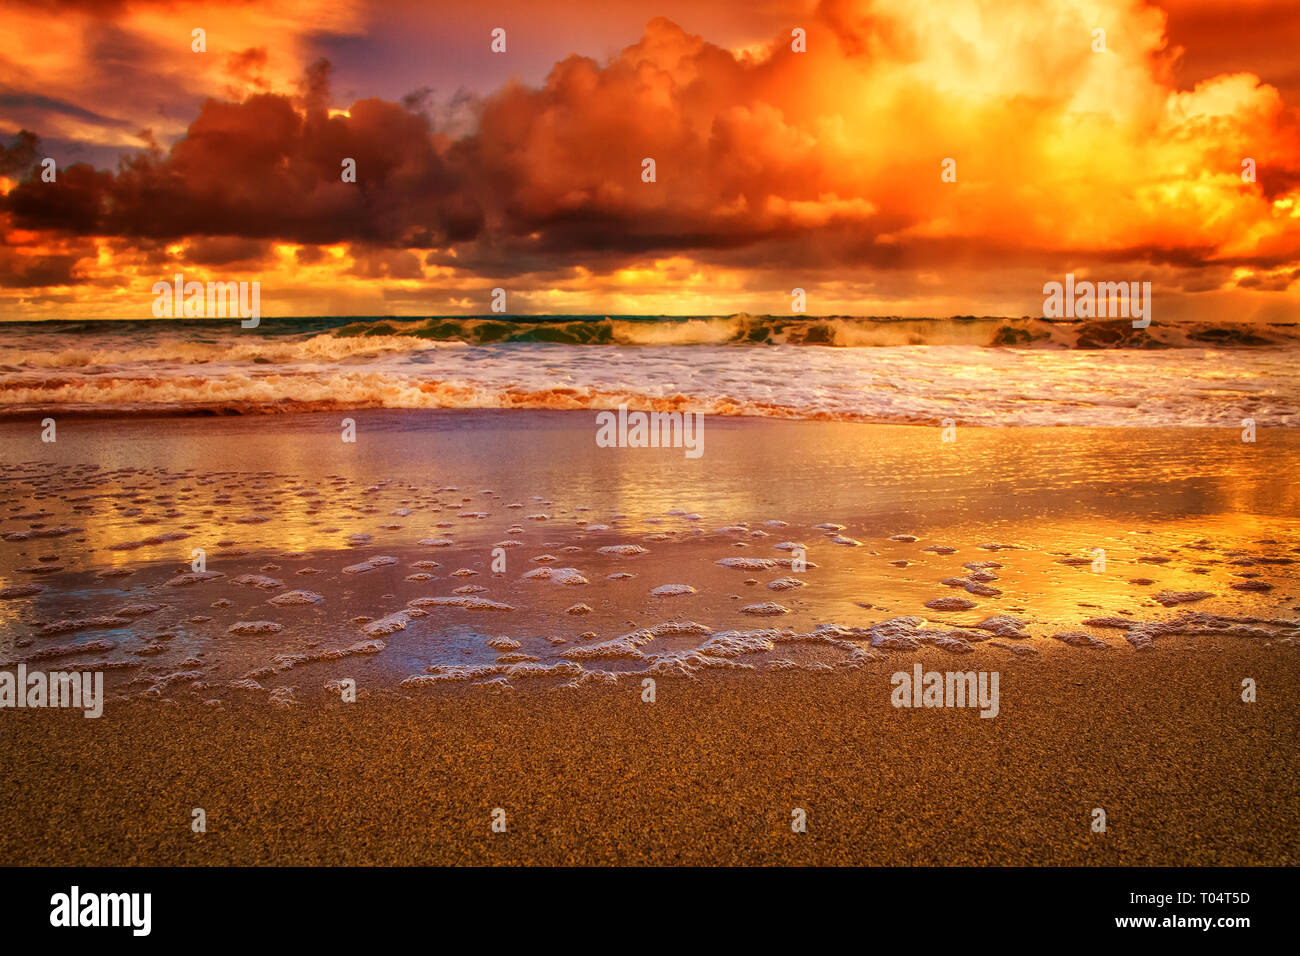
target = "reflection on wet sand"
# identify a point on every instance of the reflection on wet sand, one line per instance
(510, 549)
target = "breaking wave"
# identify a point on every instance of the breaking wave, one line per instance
(913, 371)
(60, 344)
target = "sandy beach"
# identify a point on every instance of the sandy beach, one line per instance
(709, 774)
(497, 590)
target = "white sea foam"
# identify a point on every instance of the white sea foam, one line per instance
(150, 367)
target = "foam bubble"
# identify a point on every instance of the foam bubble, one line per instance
(672, 590)
(245, 628)
(766, 609)
(370, 564)
(747, 564)
(467, 602)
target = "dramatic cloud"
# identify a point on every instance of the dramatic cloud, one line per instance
(265, 169)
(774, 168)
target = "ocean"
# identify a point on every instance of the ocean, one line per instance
(966, 370)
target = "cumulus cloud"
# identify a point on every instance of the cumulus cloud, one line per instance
(263, 168)
(766, 159)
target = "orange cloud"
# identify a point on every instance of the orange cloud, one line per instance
(773, 169)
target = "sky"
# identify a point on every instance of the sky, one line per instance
(779, 163)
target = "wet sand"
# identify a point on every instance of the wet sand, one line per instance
(473, 546)
(709, 773)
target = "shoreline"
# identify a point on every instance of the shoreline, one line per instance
(289, 410)
(494, 546)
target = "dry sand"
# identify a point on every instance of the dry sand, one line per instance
(708, 774)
